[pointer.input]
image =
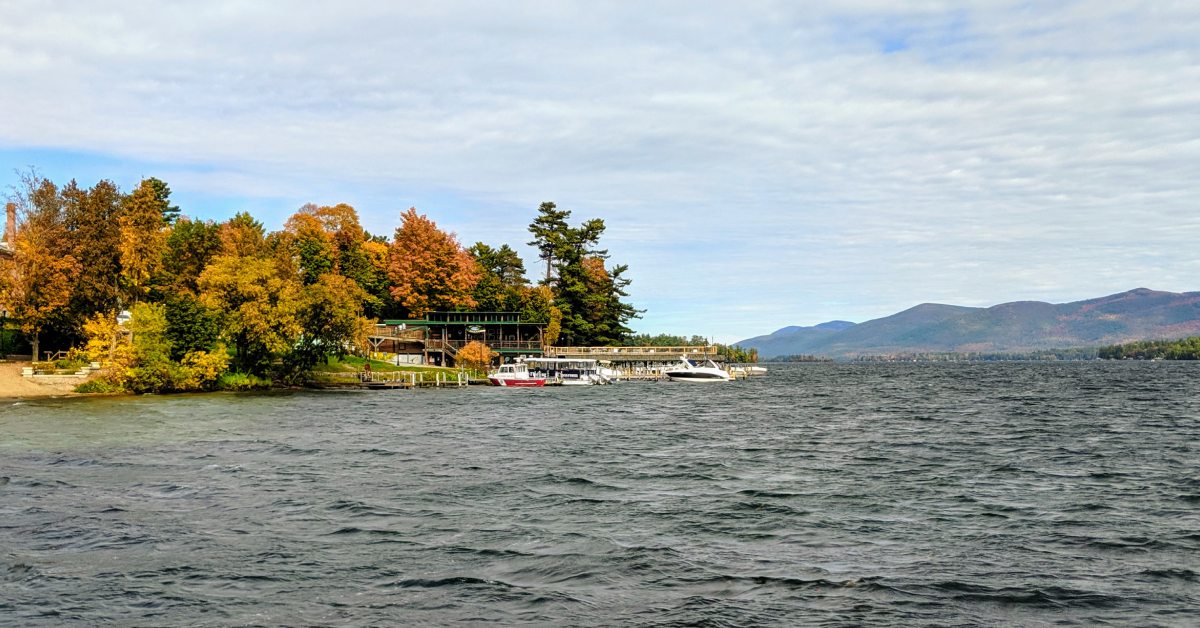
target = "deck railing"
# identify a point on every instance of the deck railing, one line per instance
(388, 331)
(526, 345)
(452, 346)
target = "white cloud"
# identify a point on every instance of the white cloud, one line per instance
(863, 154)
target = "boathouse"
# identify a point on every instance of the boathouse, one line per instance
(437, 338)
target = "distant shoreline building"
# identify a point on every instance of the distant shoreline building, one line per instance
(9, 244)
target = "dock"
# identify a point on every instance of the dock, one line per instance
(407, 380)
(631, 364)
(636, 364)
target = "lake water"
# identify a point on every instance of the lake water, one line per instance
(970, 494)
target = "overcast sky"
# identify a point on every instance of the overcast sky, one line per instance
(758, 164)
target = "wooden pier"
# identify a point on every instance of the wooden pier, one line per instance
(407, 380)
(637, 364)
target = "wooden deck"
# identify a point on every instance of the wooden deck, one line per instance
(392, 380)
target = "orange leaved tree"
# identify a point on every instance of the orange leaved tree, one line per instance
(428, 268)
(476, 356)
(36, 280)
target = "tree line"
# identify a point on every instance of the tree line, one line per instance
(208, 300)
(1184, 349)
(1038, 355)
(801, 357)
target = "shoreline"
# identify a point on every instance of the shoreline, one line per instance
(15, 387)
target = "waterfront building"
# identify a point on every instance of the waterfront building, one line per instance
(437, 338)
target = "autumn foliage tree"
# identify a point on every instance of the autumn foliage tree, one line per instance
(259, 308)
(273, 302)
(428, 268)
(93, 218)
(257, 295)
(190, 247)
(36, 281)
(329, 239)
(374, 277)
(143, 238)
(331, 319)
(243, 236)
(313, 245)
(476, 356)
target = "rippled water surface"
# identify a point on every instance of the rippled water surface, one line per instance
(979, 494)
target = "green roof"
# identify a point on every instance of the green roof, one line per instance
(429, 323)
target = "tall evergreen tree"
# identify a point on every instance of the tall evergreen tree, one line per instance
(502, 278)
(190, 325)
(587, 297)
(548, 229)
(162, 196)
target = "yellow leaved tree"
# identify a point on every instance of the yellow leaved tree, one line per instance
(259, 305)
(36, 281)
(143, 238)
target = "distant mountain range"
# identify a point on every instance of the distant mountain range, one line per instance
(1139, 314)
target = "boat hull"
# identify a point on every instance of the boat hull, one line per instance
(687, 376)
(532, 382)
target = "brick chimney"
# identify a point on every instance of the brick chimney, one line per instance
(10, 227)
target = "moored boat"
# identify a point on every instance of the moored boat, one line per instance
(569, 371)
(516, 376)
(686, 371)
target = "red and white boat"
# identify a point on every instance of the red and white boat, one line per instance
(516, 376)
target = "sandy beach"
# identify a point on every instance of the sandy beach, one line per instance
(13, 386)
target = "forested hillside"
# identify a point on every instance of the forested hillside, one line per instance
(1017, 327)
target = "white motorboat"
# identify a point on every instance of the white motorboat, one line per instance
(516, 376)
(687, 371)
